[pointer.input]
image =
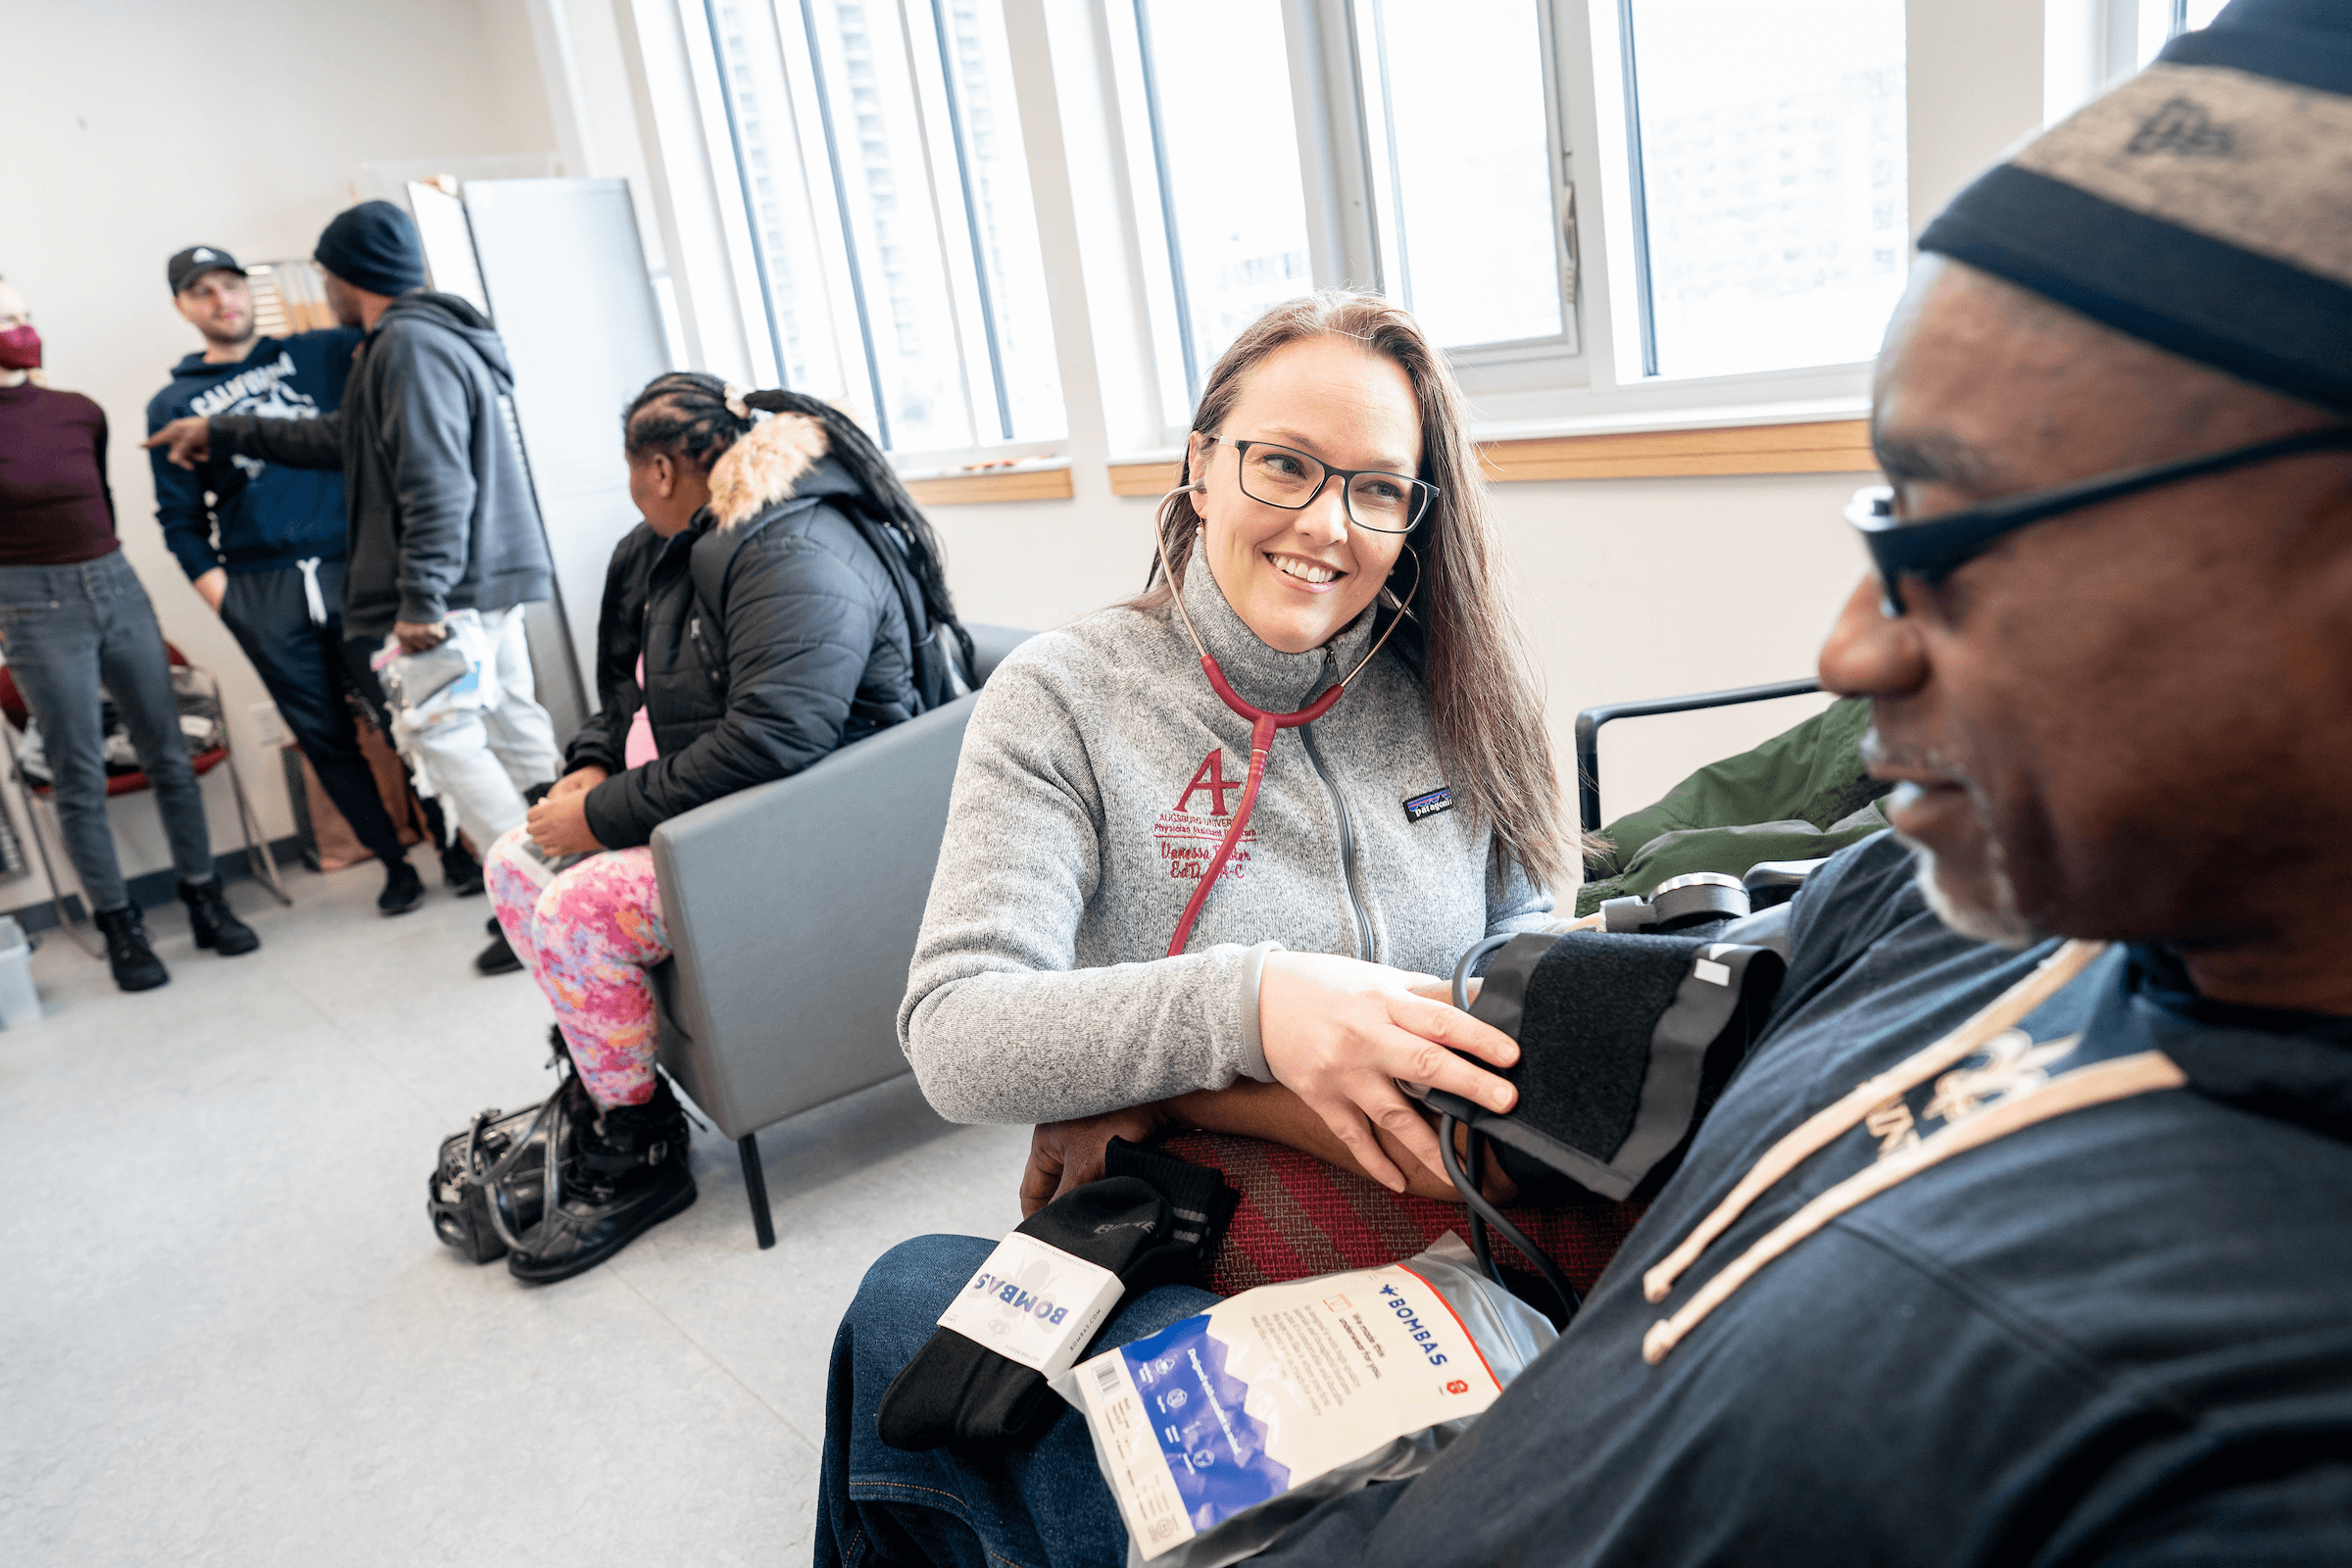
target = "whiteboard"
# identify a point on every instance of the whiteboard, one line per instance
(564, 279)
(447, 244)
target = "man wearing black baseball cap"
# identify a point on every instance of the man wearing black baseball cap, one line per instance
(264, 543)
(442, 516)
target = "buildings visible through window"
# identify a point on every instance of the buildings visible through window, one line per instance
(888, 197)
(1223, 162)
(1772, 194)
(1469, 205)
(1269, 147)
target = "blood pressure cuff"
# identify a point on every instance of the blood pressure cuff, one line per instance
(1625, 1042)
(1153, 1221)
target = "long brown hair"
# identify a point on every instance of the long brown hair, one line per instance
(1459, 635)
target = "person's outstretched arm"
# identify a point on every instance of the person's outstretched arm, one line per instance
(296, 443)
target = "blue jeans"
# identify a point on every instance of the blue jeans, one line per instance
(1038, 1504)
(66, 629)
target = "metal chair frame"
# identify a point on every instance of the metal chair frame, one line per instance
(41, 811)
(1589, 723)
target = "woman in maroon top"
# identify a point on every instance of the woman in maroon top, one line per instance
(74, 615)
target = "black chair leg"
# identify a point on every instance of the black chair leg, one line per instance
(754, 1187)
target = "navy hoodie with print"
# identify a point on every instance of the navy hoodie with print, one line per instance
(241, 512)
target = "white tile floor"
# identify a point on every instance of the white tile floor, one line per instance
(227, 1335)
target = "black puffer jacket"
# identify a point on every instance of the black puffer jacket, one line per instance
(809, 653)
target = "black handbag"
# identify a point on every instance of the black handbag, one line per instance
(497, 1178)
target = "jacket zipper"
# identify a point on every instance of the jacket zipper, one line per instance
(1356, 904)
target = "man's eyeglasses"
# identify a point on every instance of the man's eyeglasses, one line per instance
(1279, 476)
(1933, 548)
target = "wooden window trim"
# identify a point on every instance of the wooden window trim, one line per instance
(1835, 446)
(1016, 484)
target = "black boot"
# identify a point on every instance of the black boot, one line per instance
(627, 1173)
(461, 872)
(499, 958)
(215, 923)
(135, 966)
(404, 889)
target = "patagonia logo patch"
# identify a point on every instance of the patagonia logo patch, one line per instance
(1421, 808)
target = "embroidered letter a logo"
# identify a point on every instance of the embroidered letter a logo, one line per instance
(1209, 781)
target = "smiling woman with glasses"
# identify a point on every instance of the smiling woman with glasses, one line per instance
(1156, 909)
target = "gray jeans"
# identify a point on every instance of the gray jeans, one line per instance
(66, 629)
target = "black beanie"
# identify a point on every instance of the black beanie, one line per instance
(2202, 206)
(372, 246)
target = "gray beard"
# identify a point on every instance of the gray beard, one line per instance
(2002, 924)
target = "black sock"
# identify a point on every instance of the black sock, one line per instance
(1199, 1207)
(956, 1391)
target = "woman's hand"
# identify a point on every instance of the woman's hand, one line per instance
(1063, 1154)
(579, 781)
(1339, 1032)
(559, 824)
(1274, 1113)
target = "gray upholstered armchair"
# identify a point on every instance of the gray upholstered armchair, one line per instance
(792, 911)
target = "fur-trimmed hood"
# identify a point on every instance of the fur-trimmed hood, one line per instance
(766, 466)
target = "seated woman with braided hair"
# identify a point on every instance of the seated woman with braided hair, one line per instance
(772, 634)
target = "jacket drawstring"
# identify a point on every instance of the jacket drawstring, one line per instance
(2140, 1073)
(310, 590)
(2094, 1085)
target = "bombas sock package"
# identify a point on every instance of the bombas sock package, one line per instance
(1218, 1432)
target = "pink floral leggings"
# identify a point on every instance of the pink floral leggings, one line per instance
(588, 936)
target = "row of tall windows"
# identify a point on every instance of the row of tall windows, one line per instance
(1272, 146)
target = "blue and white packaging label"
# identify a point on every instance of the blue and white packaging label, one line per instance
(1034, 1303)
(1271, 1389)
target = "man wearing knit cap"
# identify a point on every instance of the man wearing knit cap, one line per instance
(441, 514)
(2023, 1234)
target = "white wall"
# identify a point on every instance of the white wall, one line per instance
(137, 128)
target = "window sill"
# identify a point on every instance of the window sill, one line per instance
(1828, 437)
(1827, 445)
(1030, 479)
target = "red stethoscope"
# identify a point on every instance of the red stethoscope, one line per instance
(1262, 725)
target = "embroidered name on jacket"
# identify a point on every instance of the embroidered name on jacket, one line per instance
(1421, 808)
(1188, 837)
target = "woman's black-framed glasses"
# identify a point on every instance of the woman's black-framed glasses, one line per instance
(1285, 477)
(1933, 548)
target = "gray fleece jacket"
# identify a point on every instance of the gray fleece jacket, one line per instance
(1098, 776)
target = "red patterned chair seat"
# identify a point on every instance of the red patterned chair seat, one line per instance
(1300, 1217)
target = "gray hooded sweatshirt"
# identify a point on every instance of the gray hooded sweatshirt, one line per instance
(1098, 776)
(440, 504)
